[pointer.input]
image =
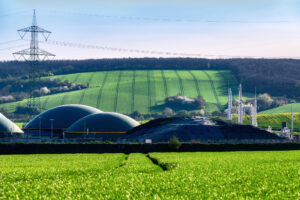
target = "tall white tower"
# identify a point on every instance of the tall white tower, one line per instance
(254, 111)
(292, 120)
(240, 111)
(229, 104)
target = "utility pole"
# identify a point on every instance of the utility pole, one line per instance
(292, 121)
(254, 111)
(40, 127)
(33, 55)
(229, 116)
(51, 120)
(240, 111)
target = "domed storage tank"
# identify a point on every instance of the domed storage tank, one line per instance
(7, 127)
(58, 119)
(106, 125)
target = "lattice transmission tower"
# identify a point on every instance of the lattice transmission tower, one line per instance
(33, 55)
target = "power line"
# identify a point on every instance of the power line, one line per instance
(13, 47)
(10, 41)
(140, 51)
(108, 48)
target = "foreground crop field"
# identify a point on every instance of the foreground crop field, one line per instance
(143, 90)
(228, 175)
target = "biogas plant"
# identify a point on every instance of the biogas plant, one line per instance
(81, 123)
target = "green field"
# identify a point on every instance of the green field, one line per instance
(273, 120)
(227, 175)
(283, 109)
(142, 90)
(20, 124)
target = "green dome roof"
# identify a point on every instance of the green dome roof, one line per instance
(106, 122)
(62, 116)
(7, 126)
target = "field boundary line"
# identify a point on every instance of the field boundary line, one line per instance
(101, 89)
(91, 78)
(149, 91)
(133, 91)
(221, 73)
(165, 82)
(45, 102)
(82, 96)
(180, 83)
(229, 81)
(76, 78)
(65, 96)
(62, 102)
(214, 89)
(124, 162)
(162, 165)
(84, 90)
(196, 83)
(117, 91)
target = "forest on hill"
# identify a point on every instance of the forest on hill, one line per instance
(278, 77)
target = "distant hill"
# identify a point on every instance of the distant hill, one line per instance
(283, 109)
(278, 77)
(126, 91)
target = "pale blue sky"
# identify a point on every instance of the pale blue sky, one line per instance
(174, 26)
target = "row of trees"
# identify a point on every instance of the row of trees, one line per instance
(16, 89)
(180, 106)
(184, 103)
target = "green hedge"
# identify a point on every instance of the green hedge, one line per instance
(48, 148)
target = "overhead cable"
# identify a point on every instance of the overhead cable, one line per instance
(140, 51)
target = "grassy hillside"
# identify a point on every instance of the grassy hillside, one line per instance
(283, 109)
(274, 120)
(143, 90)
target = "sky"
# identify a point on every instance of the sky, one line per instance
(211, 28)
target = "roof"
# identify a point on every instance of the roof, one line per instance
(106, 122)
(7, 126)
(61, 117)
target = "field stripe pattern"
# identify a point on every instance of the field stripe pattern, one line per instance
(142, 90)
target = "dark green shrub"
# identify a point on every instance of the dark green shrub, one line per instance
(174, 143)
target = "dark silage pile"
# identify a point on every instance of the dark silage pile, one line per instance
(198, 129)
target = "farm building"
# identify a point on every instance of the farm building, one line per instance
(56, 120)
(7, 127)
(106, 125)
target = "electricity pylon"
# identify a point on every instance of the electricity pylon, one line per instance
(33, 55)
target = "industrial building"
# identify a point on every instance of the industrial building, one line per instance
(8, 128)
(105, 125)
(53, 122)
(81, 123)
